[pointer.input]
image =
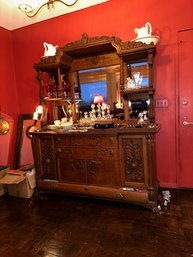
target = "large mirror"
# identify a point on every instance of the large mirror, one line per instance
(99, 85)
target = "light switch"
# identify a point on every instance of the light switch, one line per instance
(162, 103)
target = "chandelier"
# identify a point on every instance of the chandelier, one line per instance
(31, 12)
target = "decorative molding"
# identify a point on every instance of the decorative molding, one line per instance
(103, 153)
(132, 45)
(133, 159)
(93, 166)
(86, 41)
(108, 42)
(77, 165)
(48, 156)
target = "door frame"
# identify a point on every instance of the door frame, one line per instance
(177, 107)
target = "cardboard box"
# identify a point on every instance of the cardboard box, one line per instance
(20, 185)
(3, 171)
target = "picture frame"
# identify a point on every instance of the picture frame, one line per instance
(23, 142)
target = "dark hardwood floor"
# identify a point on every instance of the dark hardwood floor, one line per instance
(51, 225)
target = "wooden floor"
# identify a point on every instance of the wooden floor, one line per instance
(62, 226)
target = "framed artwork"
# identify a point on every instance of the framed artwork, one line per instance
(23, 151)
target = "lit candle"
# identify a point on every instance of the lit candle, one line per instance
(35, 116)
(39, 109)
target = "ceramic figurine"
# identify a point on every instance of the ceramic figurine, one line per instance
(49, 49)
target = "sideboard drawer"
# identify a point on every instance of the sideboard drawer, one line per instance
(82, 140)
(88, 153)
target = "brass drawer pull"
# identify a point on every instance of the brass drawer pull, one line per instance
(120, 195)
(54, 186)
(111, 152)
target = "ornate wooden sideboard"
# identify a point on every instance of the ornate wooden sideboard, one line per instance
(113, 163)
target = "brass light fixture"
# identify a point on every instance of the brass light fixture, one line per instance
(4, 125)
(30, 12)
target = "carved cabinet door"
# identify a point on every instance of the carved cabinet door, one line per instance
(103, 172)
(44, 157)
(70, 166)
(134, 161)
(71, 170)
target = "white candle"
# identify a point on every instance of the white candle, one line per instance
(35, 116)
(39, 109)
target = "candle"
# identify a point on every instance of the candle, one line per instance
(39, 109)
(35, 116)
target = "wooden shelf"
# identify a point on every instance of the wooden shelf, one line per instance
(138, 90)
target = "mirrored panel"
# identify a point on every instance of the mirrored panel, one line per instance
(100, 85)
(137, 75)
(139, 107)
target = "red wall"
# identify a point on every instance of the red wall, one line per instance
(8, 96)
(117, 18)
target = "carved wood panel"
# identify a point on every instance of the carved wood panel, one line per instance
(48, 158)
(102, 172)
(133, 159)
(71, 169)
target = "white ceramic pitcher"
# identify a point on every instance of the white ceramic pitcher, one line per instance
(49, 49)
(144, 31)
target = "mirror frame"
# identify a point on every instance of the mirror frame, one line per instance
(20, 135)
(95, 52)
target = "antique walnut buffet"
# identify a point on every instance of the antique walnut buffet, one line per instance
(114, 163)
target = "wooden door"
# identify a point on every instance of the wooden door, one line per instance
(185, 61)
(103, 172)
(133, 152)
(71, 170)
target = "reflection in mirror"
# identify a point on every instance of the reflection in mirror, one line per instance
(138, 78)
(138, 106)
(138, 75)
(103, 82)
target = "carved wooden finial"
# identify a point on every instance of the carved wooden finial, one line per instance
(84, 39)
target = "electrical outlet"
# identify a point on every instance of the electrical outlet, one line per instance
(161, 103)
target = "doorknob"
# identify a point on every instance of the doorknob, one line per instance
(184, 102)
(185, 123)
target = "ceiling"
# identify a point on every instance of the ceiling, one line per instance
(12, 18)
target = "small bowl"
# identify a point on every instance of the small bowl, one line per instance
(148, 39)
